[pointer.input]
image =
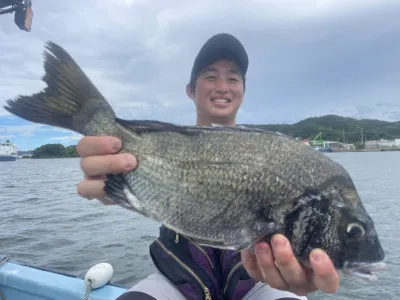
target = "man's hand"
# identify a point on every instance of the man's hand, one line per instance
(280, 269)
(98, 159)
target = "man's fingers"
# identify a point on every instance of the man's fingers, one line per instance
(103, 177)
(277, 266)
(108, 164)
(97, 145)
(266, 264)
(250, 264)
(91, 189)
(325, 276)
(289, 267)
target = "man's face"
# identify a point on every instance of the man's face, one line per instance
(218, 93)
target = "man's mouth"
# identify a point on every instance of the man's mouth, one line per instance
(220, 100)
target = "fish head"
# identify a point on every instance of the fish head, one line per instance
(335, 221)
(359, 252)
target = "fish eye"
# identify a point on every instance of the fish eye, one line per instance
(355, 230)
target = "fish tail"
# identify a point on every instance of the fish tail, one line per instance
(69, 100)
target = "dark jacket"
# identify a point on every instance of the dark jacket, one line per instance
(200, 273)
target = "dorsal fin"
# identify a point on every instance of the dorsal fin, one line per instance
(142, 126)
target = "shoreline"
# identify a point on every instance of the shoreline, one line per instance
(333, 151)
(365, 150)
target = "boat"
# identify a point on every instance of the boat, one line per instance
(323, 149)
(19, 281)
(8, 151)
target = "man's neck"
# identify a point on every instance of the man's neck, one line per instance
(223, 122)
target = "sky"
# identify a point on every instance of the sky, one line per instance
(307, 58)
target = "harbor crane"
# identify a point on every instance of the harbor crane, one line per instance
(22, 10)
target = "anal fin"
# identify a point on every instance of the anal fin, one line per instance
(244, 240)
(213, 244)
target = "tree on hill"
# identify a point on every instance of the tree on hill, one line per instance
(337, 128)
(54, 151)
(71, 151)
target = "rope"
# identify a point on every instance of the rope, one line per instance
(3, 260)
(88, 289)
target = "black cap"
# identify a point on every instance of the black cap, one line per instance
(220, 46)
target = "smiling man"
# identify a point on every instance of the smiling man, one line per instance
(188, 271)
(220, 106)
(217, 80)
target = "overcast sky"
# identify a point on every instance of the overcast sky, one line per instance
(307, 57)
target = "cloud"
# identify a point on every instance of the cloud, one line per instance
(68, 138)
(307, 57)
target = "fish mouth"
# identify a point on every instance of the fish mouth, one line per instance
(364, 271)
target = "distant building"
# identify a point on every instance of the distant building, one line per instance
(337, 146)
(333, 145)
(349, 146)
(382, 143)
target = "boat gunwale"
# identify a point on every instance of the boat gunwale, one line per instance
(28, 279)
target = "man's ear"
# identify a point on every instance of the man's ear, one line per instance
(189, 91)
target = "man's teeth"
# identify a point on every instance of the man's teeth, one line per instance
(220, 100)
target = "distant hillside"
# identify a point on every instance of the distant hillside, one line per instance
(334, 127)
(54, 151)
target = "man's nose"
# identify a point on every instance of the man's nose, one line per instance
(222, 86)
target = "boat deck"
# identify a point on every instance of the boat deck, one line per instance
(21, 282)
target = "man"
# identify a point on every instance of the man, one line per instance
(187, 271)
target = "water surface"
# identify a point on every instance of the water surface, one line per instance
(46, 224)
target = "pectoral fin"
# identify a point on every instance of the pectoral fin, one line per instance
(117, 189)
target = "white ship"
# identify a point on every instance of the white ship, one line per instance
(8, 151)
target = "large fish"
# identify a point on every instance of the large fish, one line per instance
(225, 187)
